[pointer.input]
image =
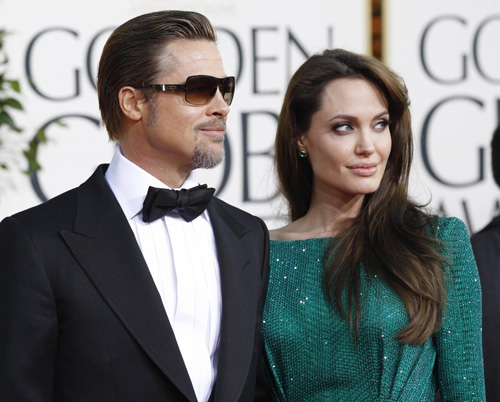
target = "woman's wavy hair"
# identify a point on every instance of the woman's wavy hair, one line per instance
(392, 236)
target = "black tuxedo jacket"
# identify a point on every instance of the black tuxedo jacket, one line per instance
(81, 319)
(486, 246)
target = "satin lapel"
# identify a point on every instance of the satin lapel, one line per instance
(238, 286)
(105, 247)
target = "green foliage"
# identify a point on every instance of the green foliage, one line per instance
(9, 89)
(32, 152)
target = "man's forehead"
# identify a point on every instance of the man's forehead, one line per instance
(192, 57)
(189, 51)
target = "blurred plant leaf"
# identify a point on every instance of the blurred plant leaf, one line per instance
(14, 103)
(8, 87)
(14, 84)
(31, 154)
(60, 123)
(41, 137)
(6, 119)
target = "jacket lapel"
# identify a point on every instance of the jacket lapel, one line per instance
(105, 247)
(239, 288)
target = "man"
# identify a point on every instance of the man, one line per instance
(486, 246)
(104, 298)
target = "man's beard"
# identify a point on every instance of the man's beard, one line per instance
(203, 157)
(209, 152)
(206, 158)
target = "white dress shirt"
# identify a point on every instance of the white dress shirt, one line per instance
(182, 259)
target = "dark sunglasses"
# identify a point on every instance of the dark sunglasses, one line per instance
(200, 89)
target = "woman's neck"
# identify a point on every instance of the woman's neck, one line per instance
(326, 217)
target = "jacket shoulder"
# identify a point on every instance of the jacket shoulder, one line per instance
(49, 211)
(59, 211)
(236, 213)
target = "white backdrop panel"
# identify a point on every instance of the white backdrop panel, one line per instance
(447, 51)
(54, 48)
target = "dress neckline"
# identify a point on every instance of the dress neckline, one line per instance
(303, 240)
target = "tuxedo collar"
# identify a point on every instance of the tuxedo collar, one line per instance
(105, 247)
(107, 250)
(130, 183)
(238, 287)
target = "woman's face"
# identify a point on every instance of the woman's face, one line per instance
(349, 141)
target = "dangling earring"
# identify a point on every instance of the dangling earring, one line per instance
(303, 154)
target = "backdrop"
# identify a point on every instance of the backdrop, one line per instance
(445, 51)
(54, 48)
(448, 53)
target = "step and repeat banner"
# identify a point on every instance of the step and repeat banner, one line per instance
(54, 48)
(448, 52)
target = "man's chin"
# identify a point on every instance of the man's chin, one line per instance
(207, 159)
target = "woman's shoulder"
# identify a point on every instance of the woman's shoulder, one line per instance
(450, 228)
(457, 250)
(289, 232)
(280, 234)
(300, 230)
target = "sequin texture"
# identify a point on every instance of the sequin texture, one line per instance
(310, 355)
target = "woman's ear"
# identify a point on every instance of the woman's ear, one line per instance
(302, 144)
(132, 103)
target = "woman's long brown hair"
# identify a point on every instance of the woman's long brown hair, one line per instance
(391, 236)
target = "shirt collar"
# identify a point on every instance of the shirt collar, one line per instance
(130, 183)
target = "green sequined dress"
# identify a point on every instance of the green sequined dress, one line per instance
(309, 353)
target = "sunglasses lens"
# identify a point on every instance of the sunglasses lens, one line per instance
(201, 89)
(227, 89)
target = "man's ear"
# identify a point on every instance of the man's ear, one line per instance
(132, 103)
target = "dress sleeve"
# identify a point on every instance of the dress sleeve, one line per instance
(459, 342)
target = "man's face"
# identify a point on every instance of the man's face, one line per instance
(187, 136)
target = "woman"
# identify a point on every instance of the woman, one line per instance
(370, 298)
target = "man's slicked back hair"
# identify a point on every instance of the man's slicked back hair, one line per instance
(134, 54)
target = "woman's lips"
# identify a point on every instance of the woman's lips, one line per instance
(364, 169)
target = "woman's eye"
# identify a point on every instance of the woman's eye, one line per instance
(342, 127)
(382, 124)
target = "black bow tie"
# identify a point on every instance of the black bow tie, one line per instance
(189, 203)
